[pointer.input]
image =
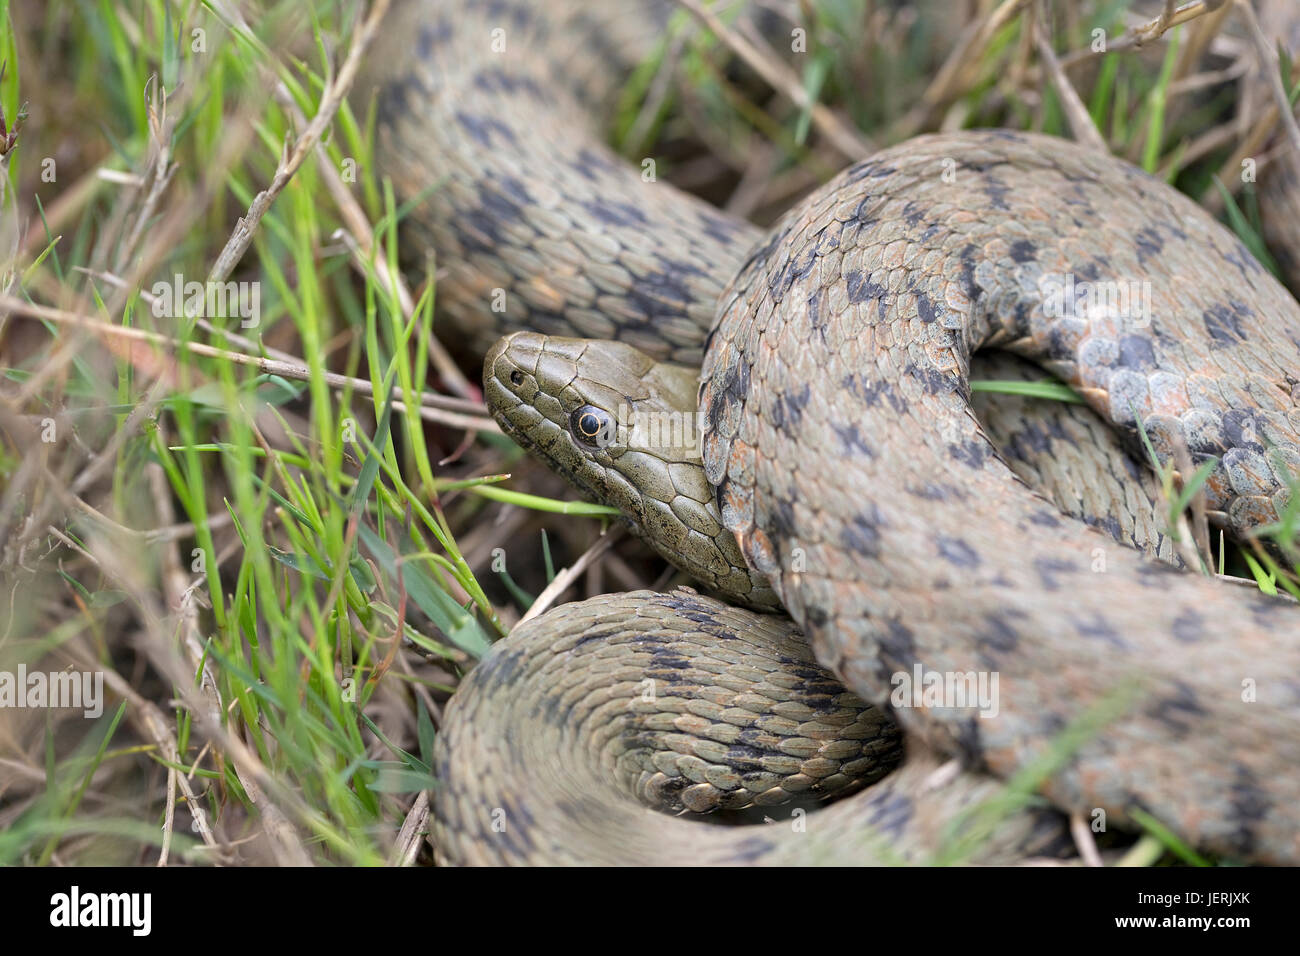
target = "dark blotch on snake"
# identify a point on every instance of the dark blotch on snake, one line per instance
(482, 129)
(1148, 243)
(969, 745)
(936, 491)
(787, 410)
(957, 552)
(1108, 524)
(933, 380)
(897, 643)
(851, 440)
(871, 391)
(1188, 628)
(1048, 568)
(1097, 628)
(432, 35)
(1176, 711)
(861, 533)
(1224, 327)
(1022, 250)
(861, 288)
(1137, 352)
(972, 453)
(1250, 807)
(891, 812)
(998, 635)
(1241, 429)
(782, 520)
(925, 308)
(613, 213)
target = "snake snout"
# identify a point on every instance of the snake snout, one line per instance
(511, 365)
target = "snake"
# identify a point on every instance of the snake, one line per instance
(843, 471)
(1279, 187)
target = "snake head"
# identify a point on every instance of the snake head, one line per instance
(612, 420)
(623, 429)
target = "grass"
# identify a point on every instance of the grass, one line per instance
(282, 573)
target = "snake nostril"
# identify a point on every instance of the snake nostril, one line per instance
(516, 377)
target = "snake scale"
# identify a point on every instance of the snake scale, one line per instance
(844, 470)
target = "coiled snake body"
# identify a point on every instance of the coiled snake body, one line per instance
(842, 458)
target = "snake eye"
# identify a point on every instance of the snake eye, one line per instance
(516, 378)
(592, 426)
